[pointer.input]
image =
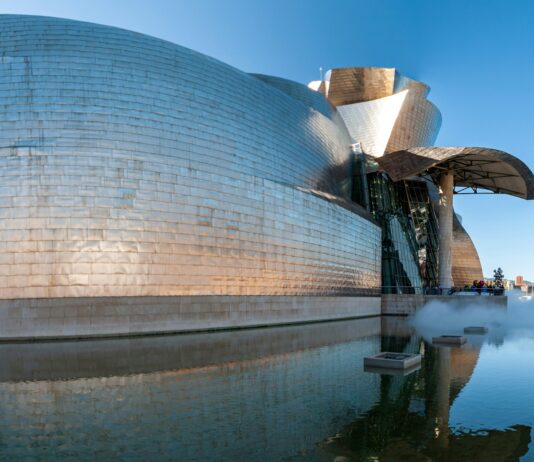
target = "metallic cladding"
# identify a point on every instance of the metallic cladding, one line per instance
(466, 266)
(302, 93)
(383, 125)
(133, 166)
(357, 84)
(475, 167)
(383, 110)
(417, 124)
(371, 123)
(405, 83)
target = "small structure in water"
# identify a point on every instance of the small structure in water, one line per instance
(449, 339)
(392, 371)
(388, 360)
(475, 330)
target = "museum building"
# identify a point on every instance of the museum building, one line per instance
(146, 187)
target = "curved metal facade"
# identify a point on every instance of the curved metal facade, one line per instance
(417, 124)
(383, 110)
(304, 94)
(390, 118)
(466, 266)
(357, 84)
(394, 122)
(132, 166)
(371, 122)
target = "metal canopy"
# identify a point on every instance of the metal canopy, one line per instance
(474, 168)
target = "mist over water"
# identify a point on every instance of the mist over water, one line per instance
(450, 318)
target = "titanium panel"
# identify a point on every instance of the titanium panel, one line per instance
(405, 83)
(487, 168)
(302, 93)
(356, 84)
(417, 123)
(371, 123)
(383, 125)
(132, 166)
(383, 110)
(466, 266)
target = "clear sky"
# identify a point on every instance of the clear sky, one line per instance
(476, 55)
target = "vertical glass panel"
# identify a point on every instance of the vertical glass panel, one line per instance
(426, 229)
(400, 249)
(360, 191)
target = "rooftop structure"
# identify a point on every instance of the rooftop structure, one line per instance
(390, 117)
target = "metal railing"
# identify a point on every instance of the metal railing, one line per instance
(488, 291)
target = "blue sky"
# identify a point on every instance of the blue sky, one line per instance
(476, 55)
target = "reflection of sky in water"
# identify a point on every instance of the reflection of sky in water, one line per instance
(288, 393)
(500, 393)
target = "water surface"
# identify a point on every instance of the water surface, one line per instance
(287, 393)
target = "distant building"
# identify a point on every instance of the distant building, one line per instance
(508, 284)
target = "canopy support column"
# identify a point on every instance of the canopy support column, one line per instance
(445, 217)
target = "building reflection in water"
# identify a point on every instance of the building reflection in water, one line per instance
(411, 419)
(291, 393)
(216, 396)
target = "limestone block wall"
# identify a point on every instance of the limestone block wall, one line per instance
(96, 317)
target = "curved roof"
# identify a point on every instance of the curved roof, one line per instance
(473, 167)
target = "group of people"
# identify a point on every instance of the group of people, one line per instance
(479, 287)
(482, 287)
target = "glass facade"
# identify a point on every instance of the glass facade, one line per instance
(360, 187)
(426, 227)
(405, 212)
(400, 268)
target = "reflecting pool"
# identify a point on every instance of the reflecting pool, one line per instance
(287, 393)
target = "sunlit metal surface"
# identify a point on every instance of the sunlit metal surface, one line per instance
(372, 122)
(383, 110)
(466, 266)
(417, 124)
(405, 83)
(356, 84)
(302, 93)
(473, 167)
(132, 166)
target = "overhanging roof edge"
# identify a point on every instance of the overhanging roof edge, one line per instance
(402, 164)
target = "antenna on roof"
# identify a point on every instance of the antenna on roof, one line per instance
(321, 73)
